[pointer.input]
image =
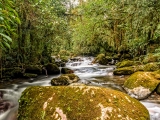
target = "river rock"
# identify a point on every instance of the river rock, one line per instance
(101, 59)
(125, 63)
(123, 71)
(52, 69)
(152, 66)
(34, 69)
(78, 103)
(65, 79)
(60, 81)
(141, 84)
(66, 71)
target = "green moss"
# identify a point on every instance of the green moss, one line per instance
(151, 66)
(52, 69)
(59, 81)
(123, 71)
(125, 63)
(101, 59)
(65, 79)
(138, 68)
(78, 103)
(144, 79)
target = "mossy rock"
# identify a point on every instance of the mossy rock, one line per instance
(123, 71)
(101, 59)
(52, 69)
(71, 77)
(65, 79)
(142, 84)
(138, 68)
(66, 71)
(60, 81)
(78, 103)
(125, 63)
(152, 66)
(29, 75)
(35, 69)
(147, 67)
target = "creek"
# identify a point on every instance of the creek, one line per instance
(89, 74)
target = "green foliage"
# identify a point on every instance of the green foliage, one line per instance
(110, 24)
(8, 22)
(43, 30)
(35, 29)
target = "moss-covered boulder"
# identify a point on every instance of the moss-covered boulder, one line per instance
(152, 66)
(141, 84)
(147, 67)
(123, 71)
(65, 79)
(138, 68)
(125, 63)
(101, 59)
(78, 103)
(60, 81)
(71, 77)
(66, 71)
(35, 69)
(52, 69)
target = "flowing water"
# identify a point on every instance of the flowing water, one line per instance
(90, 74)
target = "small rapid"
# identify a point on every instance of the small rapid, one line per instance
(89, 74)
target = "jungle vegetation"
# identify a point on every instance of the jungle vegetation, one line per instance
(31, 31)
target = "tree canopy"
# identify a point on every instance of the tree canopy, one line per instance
(31, 31)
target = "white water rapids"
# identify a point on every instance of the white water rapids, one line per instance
(90, 74)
